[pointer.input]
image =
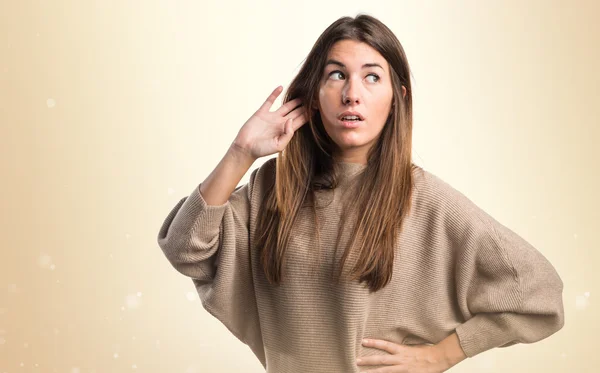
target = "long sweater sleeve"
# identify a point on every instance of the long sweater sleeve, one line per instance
(194, 234)
(507, 291)
(211, 245)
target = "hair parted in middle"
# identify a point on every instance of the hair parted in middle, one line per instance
(383, 189)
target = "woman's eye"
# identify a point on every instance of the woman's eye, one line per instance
(374, 75)
(337, 72)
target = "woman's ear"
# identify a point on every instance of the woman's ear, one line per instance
(403, 92)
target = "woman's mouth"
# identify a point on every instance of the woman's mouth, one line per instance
(350, 123)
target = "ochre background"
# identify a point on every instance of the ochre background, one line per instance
(110, 112)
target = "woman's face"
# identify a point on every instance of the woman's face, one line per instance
(356, 78)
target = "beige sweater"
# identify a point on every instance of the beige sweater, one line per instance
(456, 269)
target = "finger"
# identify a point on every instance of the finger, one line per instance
(390, 347)
(378, 360)
(299, 121)
(287, 135)
(288, 106)
(389, 369)
(296, 113)
(299, 116)
(271, 99)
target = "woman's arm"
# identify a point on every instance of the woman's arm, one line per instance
(222, 181)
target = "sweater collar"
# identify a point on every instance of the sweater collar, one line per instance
(346, 171)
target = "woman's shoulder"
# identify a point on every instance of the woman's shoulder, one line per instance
(434, 195)
(431, 184)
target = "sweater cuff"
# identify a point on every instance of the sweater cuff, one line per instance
(204, 218)
(483, 332)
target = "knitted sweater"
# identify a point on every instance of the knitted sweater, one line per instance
(456, 269)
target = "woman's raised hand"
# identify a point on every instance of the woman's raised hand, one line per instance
(268, 132)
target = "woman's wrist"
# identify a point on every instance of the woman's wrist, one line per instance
(451, 350)
(241, 154)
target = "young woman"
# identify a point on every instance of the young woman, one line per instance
(341, 237)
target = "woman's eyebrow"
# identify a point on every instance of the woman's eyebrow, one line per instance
(336, 62)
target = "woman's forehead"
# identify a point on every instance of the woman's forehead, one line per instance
(350, 53)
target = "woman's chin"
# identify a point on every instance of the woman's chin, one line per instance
(350, 144)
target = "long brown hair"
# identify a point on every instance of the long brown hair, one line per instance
(384, 187)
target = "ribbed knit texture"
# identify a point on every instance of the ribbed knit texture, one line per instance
(456, 269)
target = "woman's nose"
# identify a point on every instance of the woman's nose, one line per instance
(350, 95)
(350, 99)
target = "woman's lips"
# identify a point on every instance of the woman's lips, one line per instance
(350, 123)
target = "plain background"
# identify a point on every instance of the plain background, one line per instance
(111, 112)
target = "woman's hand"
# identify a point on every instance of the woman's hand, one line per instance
(267, 132)
(405, 359)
